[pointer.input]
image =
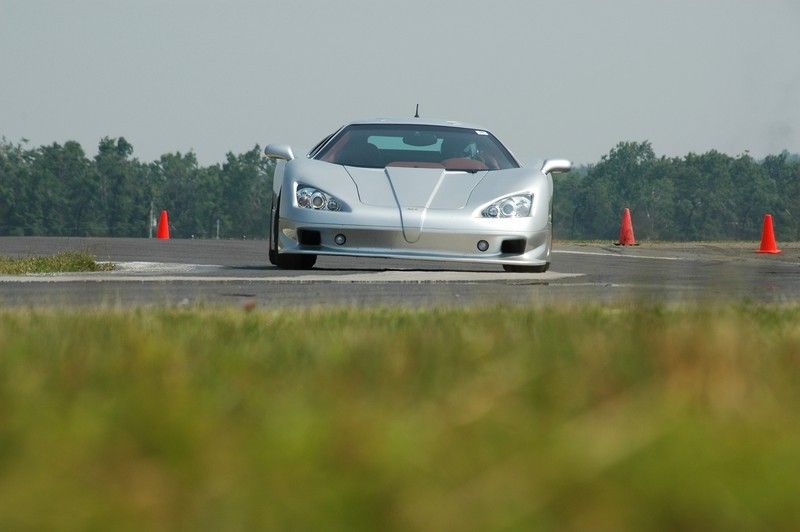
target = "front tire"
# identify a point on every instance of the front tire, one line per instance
(286, 261)
(516, 268)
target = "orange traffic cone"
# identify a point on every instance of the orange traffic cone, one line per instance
(162, 233)
(768, 244)
(626, 230)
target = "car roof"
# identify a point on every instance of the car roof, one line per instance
(418, 121)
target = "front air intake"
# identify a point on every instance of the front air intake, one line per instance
(308, 237)
(514, 246)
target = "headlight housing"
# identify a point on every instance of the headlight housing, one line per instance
(313, 198)
(518, 206)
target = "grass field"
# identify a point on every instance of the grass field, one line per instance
(554, 419)
(67, 261)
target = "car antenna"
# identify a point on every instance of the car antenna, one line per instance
(416, 114)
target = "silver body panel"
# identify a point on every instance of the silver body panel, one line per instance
(414, 213)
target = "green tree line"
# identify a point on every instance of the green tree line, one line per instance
(711, 196)
(59, 190)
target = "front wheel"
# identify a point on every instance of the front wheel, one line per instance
(526, 269)
(286, 261)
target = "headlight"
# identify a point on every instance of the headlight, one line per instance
(510, 207)
(312, 198)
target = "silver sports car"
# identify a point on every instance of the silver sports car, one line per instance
(412, 189)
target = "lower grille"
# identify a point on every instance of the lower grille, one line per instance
(514, 246)
(308, 237)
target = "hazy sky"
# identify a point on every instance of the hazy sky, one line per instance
(551, 79)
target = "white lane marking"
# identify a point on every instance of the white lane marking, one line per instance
(366, 277)
(160, 267)
(651, 257)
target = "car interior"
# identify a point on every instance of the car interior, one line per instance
(419, 150)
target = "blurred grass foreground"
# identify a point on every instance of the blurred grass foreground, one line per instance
(550, 419)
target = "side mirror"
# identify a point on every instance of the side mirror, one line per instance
(279, 151)
(556, 166)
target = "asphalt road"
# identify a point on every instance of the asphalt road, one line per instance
(233, 272)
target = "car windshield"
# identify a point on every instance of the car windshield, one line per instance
(416, 146)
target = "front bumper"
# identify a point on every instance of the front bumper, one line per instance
(531, 247)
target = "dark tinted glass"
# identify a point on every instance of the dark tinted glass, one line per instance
(381, 145)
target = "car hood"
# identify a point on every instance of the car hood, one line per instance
(413, 191)
(415, 188)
